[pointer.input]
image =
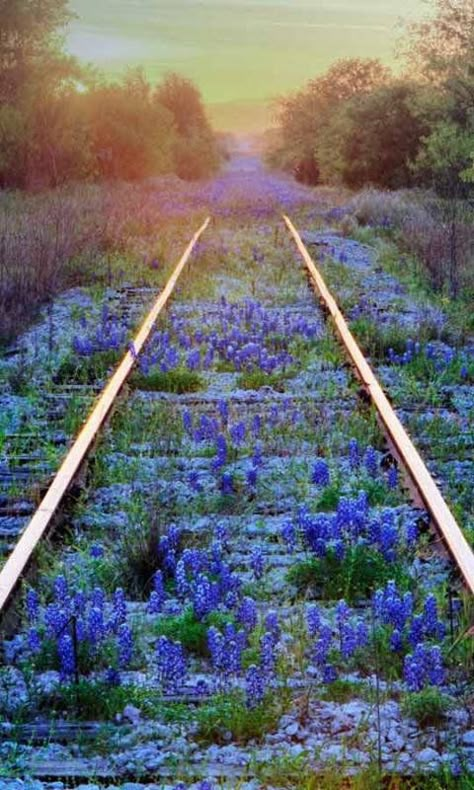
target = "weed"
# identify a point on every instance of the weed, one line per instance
(177, 381)
(428, 707)
(354, 577)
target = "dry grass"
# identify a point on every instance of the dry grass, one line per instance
(439, 233)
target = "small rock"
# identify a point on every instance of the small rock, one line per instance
(427, 755)
(468, 738)
(132, 713)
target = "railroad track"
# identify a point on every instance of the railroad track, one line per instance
(252, 494)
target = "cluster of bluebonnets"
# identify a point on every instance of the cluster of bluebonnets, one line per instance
(439, 357)
(86, 631)
(242, 336)
(108, 333)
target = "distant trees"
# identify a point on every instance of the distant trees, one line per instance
(59, 122)
(303, 118)
(358, 124)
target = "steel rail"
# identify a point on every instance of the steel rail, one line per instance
(429, 492)
(18, 560)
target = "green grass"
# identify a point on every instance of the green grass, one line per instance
(256, 379)
(95, 700)
(355, 577)
(428, 707)
(228, 713)
(86, 370)
(191, 632)
(177, 381)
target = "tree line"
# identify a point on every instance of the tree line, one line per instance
(62, 121)
(360, 124)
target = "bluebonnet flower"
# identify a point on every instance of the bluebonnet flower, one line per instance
(322, 646)
(194, 360)
(370, 461)
(252, 476)
(96, 626)
(272, 625)
(423, 667)
(288, 534)
(55, 619)
(32, 605)
(313, 620)
(112, 677)
(170, 662)
(204, 596)
(267, 654)
(194, 481)
(257, 563)
(157, 597)
(221, 452)
(396, 641)
(217, 648)
(34, 640)
(320, 475)
(256, 425)
(257, 457)
(392, 477)
(431, 624)
(362, 634)
(247, 614)
(329, 673)
(227, 484)
(223, 407)
(188, 422)
(61, 592)
(254, 686)
(119, 607)
(96, 551)
(416, 633)
(411, 534)
(67, 658)
(354, 453)
(125, 645)
(181, 579)
(237, 433)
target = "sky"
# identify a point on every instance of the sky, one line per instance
(241, 53)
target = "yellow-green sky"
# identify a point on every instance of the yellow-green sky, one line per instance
(241, 53)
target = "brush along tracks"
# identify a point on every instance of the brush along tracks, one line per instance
(196, 621)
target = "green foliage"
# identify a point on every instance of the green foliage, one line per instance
(428, 707)
(192, 633)
(372, 138)
(353, 578)
(95, 700)
(86, 370)
(255, 379)
(303, 116)
(177, 381)
(229, 713)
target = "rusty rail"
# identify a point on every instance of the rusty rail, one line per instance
(441, 515)
(21, 555)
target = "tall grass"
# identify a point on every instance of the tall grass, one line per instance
(439, 233)
(61, 238)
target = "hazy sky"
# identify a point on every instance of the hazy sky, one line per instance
(241, 53)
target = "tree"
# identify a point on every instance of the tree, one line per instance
(28, 37)
(196, 153)
(373, 139)
(301, 118)
(131, 136)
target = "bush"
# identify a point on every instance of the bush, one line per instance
(428, 707)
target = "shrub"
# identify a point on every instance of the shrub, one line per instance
(176, 381)
(428, 707)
